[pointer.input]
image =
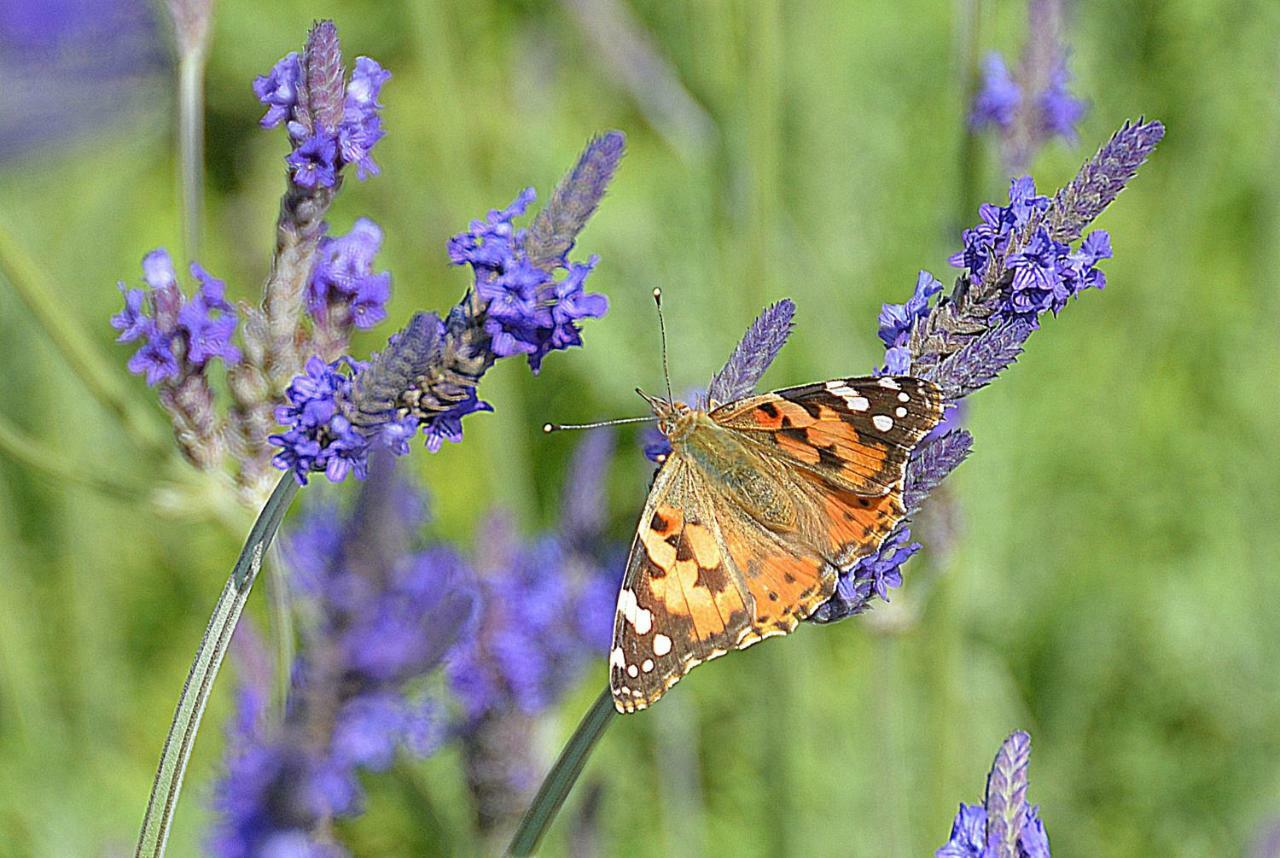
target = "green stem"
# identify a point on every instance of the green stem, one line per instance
(204, 670)
(560, 780)
(191, 147)
(51, 311)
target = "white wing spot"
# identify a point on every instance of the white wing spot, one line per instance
(661, 645)
(900, 411)
(902, 397)
(616, 659)
(647, 665)
(640, 618)
(889, 383)
(631, 670)
(857, 403)
(636, 692)
(883, 422)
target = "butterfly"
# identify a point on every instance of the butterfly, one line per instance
(759, 505)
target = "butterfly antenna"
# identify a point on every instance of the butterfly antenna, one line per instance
(558, 427)
(662, 329)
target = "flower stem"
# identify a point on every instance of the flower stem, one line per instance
(34, 286)
(191, 147)
(204, 670)
(560, 780)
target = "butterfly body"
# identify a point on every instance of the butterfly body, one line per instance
(759, 505)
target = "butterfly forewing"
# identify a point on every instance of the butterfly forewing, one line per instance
(855, 432)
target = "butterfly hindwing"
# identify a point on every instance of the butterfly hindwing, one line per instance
(855, 432)
(680, 603)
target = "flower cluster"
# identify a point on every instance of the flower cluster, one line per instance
(898, 320)
(343, 288)
(330, 124)
(530, 312)
(180, 334)
(1045, 272)
(321, 435)
(425, 380)
(1004, 824)
(535, 630)
(378, 618)
(384, 621)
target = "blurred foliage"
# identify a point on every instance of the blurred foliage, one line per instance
(1113, 591)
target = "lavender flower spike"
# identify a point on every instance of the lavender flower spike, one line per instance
(1005, 825)
(753, 354)
(1007, 795)
(1101, 179)
(553, 231)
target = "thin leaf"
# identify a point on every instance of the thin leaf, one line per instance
(204, 670)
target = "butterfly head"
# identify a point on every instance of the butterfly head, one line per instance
(675, 419)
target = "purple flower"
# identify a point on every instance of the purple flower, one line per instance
(321, 435)
(132, 322)
(155, 360)
(528, 311)
(314, 163)
(447, 426)
(999, 96)
(897, 320)
(361, 126)
(1060, 111)
(181, 335)
(343, 276)
(209, 321)
(1005, 824)
(330, 124)
(279, 90)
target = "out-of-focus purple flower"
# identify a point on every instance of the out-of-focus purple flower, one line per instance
(1060, 111)
(378, 617)
(999, 96)
(1031, 106)
(74, 68)
(1005, 824)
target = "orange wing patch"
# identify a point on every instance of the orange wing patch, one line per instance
(680, 605)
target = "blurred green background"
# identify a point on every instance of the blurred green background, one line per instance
(1110, 581)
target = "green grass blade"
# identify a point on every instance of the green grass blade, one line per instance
(563, 775)
(195, 693)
